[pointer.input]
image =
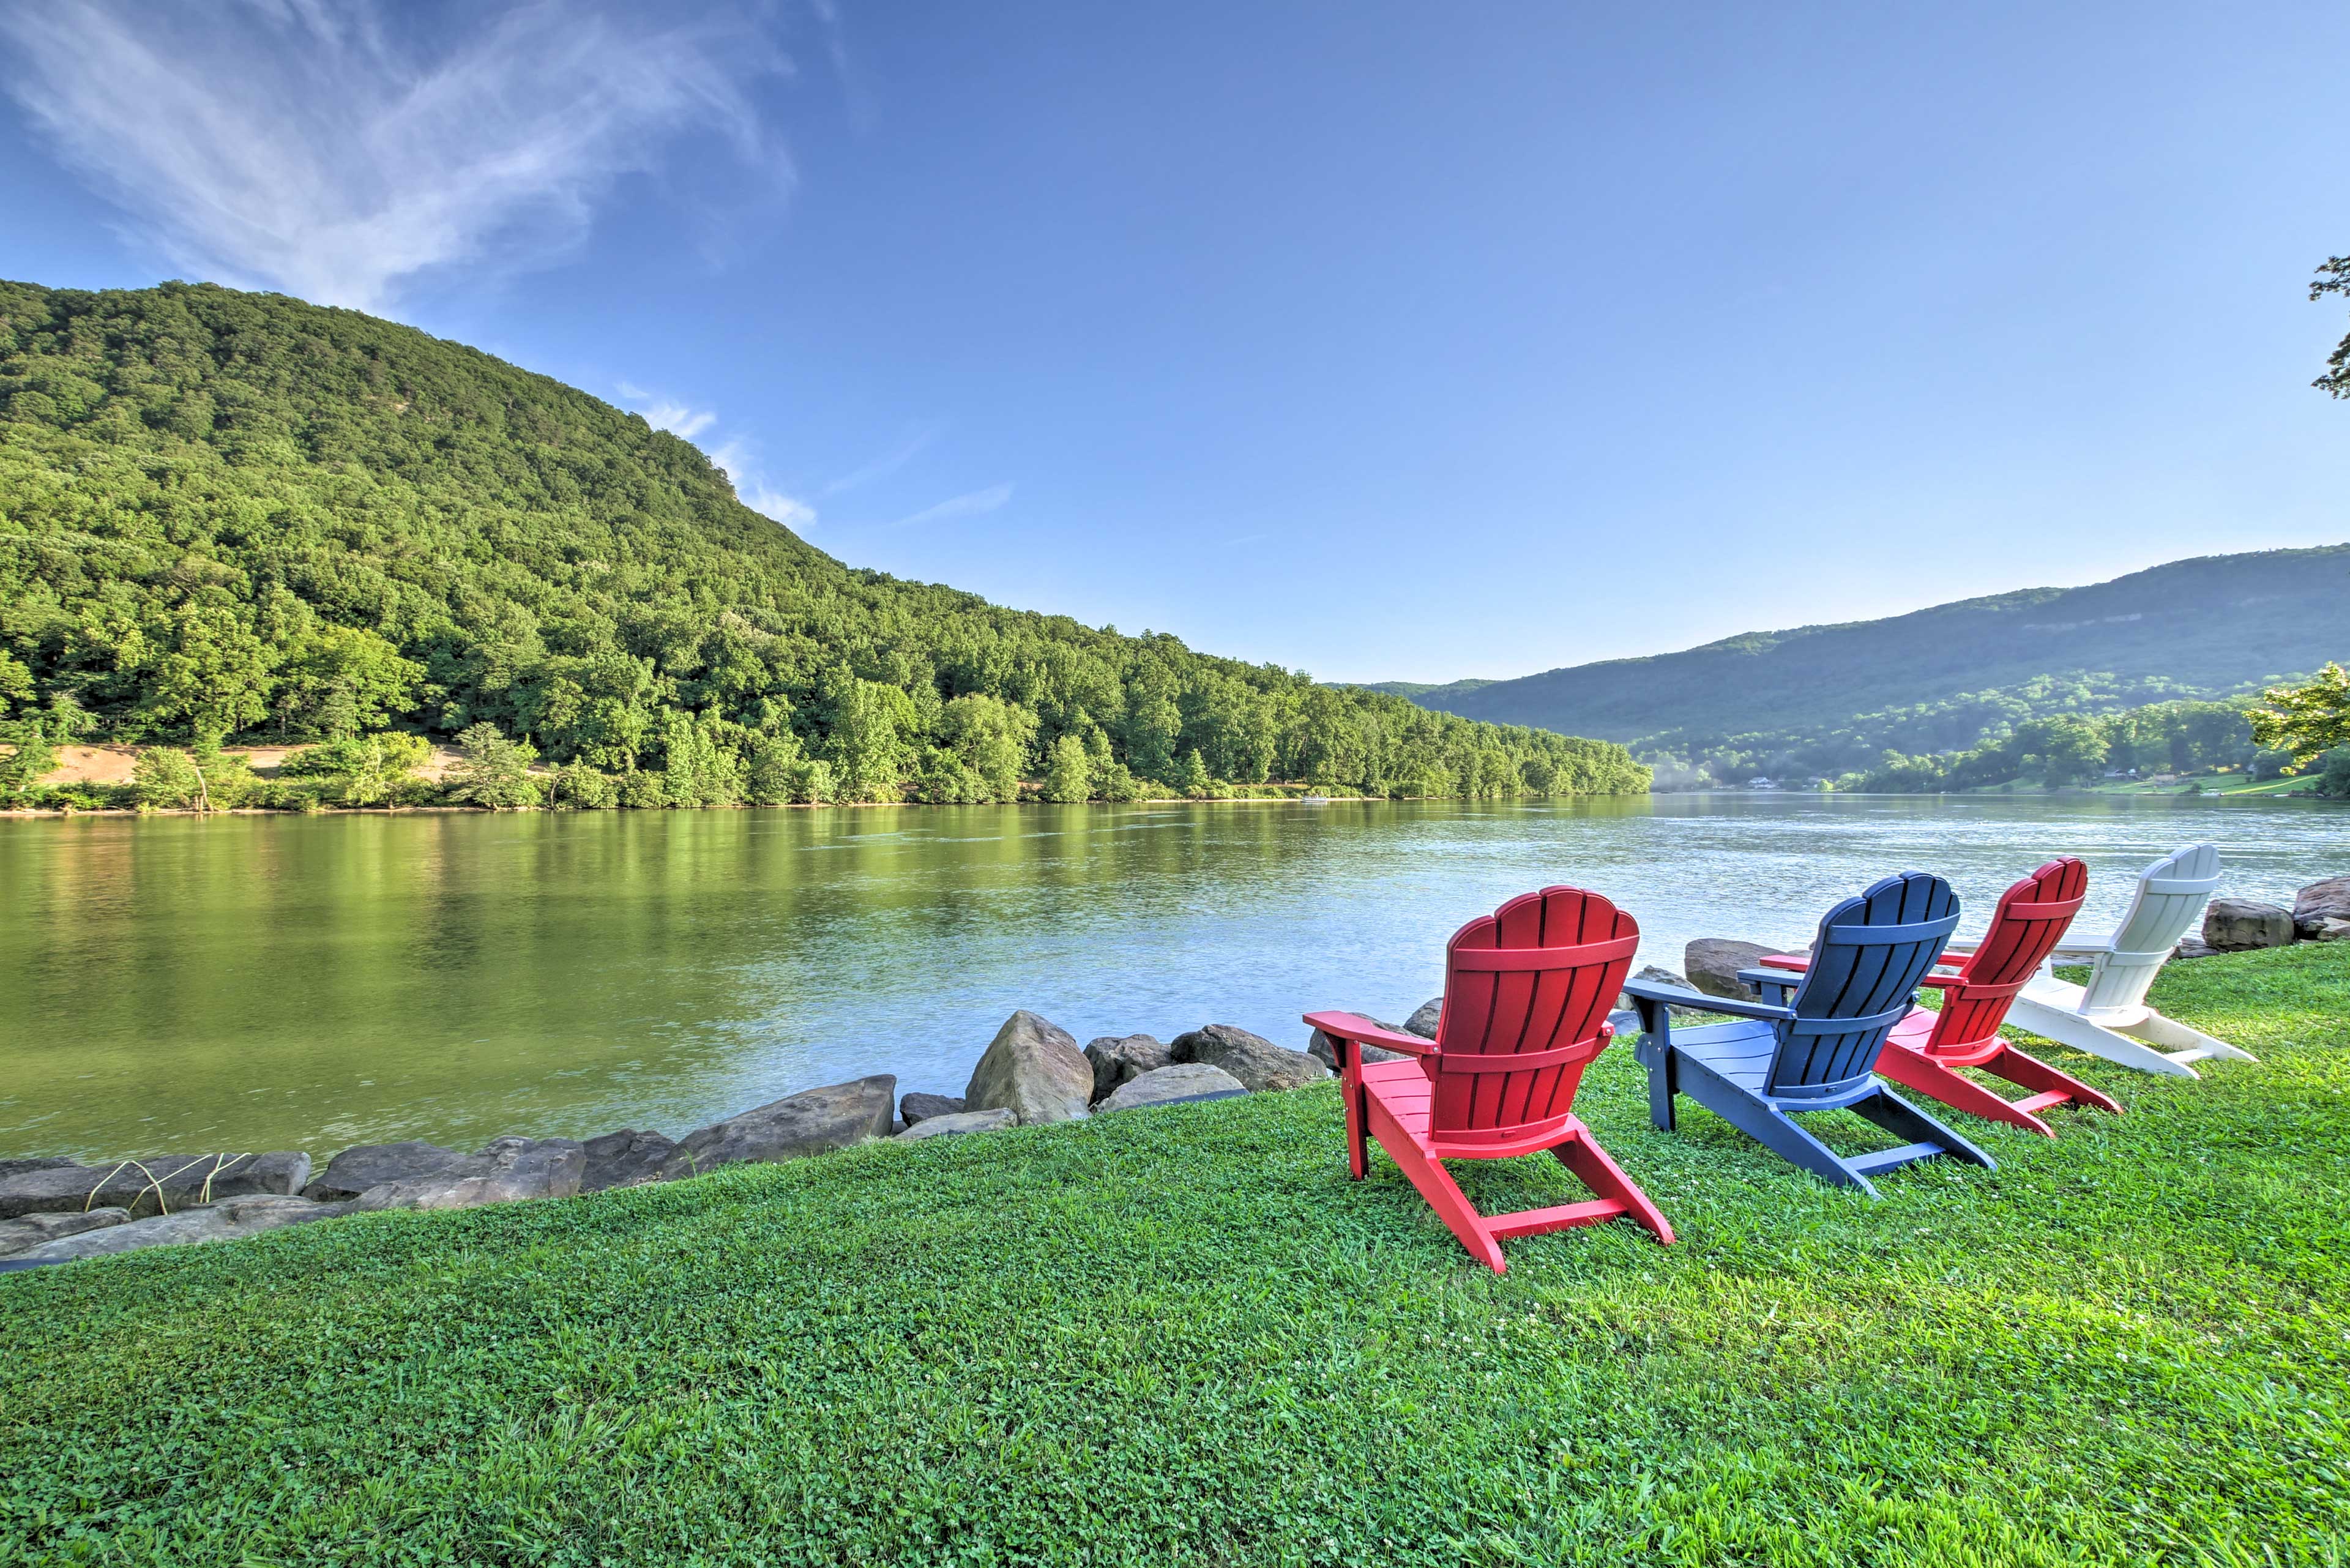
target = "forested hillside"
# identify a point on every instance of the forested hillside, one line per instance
(229, 515)
(1829, 699)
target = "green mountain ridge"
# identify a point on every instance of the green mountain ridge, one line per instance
(227, 513)
(1831, 697)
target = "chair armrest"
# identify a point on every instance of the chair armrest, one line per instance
(1651, 991)
(1363, 1032)
(1942, 982)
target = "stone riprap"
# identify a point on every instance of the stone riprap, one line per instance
(152, 1184)
(1118, 1058)
(813, 1121)
(955, 1123)
(1033, 1069)
(1256, 1062)
(1183, 1081)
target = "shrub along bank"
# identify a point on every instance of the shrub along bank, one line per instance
(1182, 1335)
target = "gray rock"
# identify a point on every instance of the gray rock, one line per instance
(2239, 925)
(1662, 976)
(629, 1157)
(1713, 962)
(367, 1165)
(1033, 1069)
(2327, 929)
(9, 1168)
(813, 1121)
(508, 1170)
(1423, 1018)
(1325, 1050)
(1256, 1062)
(33, 1229)
(1116, 1058)
(2320, 902)
(1183, 1081)
(226, 1221)
(2193, 947)
(917, 1108)
(151, 1184)
(958, 1122)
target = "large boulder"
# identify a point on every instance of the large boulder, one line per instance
(1256, 1062)
(33, 1229)
(2239, 925)
(813, 1121)
(1033, 1069)
(917, 1108)
(508, 1170)
(226, 1221)
(152, 1184)
(9, 1168)
(2320, 902)
(629, 1157)
(2328, 928)
(1325, 1050)
(1712, 964)
(955, 1123)
(1183, 1081)
(1118, 1058)
(1423, 1018)
(367, 1165)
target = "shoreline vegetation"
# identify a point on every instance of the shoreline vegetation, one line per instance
(237, 516)
(2123, 1344)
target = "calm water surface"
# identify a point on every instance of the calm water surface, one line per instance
(309, 982)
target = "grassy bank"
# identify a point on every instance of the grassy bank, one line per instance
(1182, 1337)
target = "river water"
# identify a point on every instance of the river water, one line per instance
(251, 983)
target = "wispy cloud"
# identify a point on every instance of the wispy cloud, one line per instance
(311, 147)
(667, 413)
(888, 463)
(976, 504)
(740, 460)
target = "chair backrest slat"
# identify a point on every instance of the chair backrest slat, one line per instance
(2170, 897)
(1535, 979)
(1870, 954)
(2031, 919)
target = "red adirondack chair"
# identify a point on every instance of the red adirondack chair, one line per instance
(1527, 994)
(1926, 1049)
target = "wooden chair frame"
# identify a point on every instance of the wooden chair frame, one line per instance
(1527, 994)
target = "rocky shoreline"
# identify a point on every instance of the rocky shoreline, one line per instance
(54, 1210)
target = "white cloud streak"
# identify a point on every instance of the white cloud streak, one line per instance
(300, 145)
(888, 463)
(977, 503)
(742, 469)
(667, 413)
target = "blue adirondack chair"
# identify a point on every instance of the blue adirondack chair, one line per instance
(1813, 1052)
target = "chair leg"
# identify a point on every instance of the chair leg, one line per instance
(1915, 1070)
(1662, 1086)
(2072, 1029)
(1592, 1165)
(1358, 1154)
(1899, 1117)
(2182, 1042)
(1444, 1195)
(1773, 1129)
(2030, 1073)
(1437, 1185)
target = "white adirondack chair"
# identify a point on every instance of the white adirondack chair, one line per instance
(2109, 1017)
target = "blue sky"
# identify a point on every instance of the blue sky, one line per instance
(1381, 340)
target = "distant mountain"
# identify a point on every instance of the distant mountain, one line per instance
(1421, 692)
(1828, 698)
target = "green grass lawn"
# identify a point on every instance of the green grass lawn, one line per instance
(1182, 1337)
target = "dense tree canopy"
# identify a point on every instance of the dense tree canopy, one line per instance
(231, 514)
